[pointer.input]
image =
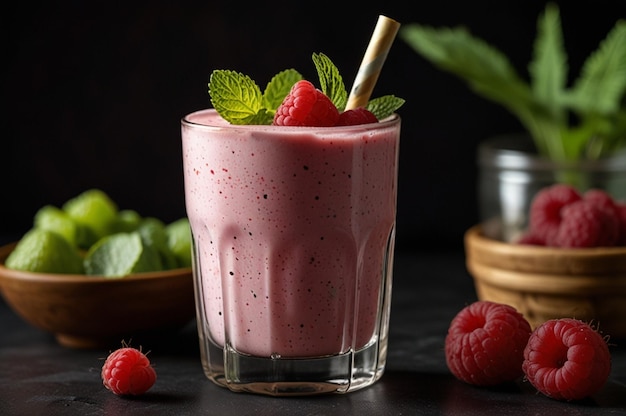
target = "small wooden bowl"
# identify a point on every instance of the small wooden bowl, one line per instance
(545, 283)
(88, 312)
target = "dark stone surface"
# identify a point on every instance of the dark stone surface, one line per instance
(38, 376)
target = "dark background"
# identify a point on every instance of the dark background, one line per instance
(93, 94)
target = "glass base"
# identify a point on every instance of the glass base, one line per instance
(277, 376)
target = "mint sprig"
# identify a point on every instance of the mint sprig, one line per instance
(331, 82)
(278, 88)
(239, 100)
(384, 106)
(584, 121)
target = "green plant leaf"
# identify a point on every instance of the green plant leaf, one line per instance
(548, 74)
(602, 82)
(585, 121)
(598, 96)
(605, 134)
(235, 96)
(548, 69)
(384, 106)
(278, 88)
(486, 70)
(263, 116)
(331, 82)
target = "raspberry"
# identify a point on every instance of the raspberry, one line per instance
(127, 371)
(600, 198)
(604, 200)
(545, 210)
(306, 106)
(585, 224)
(531, 239)
(356, 116)
(566, 359)
(485, 343)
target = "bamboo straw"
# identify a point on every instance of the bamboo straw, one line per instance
(373, 60)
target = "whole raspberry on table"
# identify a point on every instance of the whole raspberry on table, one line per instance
(127, 371)
(566, 359)
(485, 343)
(306, 106)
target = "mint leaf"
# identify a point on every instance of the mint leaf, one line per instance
(331, 82)
(263, 117)
(548, 71)
(549, 66)
(602, 84)
(278, 88)
(383, 107)
(597, 99)
(236, 97)
(487, 70)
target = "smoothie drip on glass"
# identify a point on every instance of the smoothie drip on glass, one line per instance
(294, 230)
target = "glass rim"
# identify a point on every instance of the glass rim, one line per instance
(516, 151)
(389, 121)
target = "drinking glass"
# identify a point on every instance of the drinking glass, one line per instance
(293, 241)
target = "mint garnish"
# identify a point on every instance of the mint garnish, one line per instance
(278, 88)
(331, 82)
(384, 106)
(239, 100)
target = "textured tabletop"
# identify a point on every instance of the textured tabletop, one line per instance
(39, 377)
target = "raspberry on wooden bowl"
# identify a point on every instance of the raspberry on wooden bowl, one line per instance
(551, 282)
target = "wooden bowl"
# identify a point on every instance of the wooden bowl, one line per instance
(545, 282)
(88, 312)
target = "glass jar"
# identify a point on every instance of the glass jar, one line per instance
(510, 173)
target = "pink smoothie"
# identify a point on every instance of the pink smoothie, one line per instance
(293, 230)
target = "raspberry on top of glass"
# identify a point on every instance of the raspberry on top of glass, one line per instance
(290, 100)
